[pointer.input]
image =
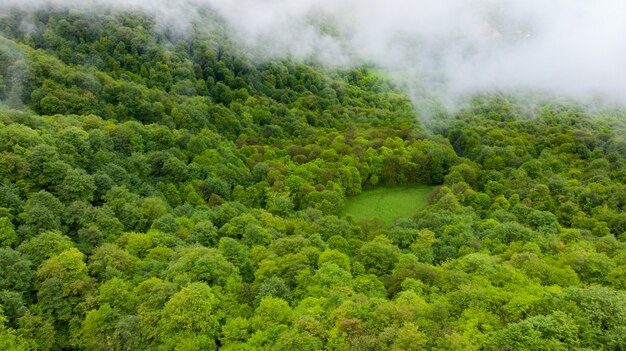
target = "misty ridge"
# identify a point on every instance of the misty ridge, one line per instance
(443, 51)
(204, 175)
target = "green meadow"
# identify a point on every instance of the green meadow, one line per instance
(386, 203)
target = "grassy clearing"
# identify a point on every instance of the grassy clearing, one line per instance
(388, 204)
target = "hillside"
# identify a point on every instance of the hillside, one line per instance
(161, 191)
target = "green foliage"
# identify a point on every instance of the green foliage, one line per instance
(16, 271)
(45, 245)
(189, 320)
(379, 256)
(160, 192)
(10, 340)
(8, 236)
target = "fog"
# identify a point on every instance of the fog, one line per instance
(443, 49)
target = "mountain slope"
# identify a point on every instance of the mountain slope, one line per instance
(170, 192)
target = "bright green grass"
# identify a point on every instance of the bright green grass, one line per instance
(388, 204)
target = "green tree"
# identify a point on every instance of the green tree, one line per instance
(557, 331)
(379, 256)
(42, 212)
(8, 236)
(190, 320)
(16, 271)
(45, 245)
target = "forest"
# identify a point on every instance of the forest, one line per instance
(168, 192)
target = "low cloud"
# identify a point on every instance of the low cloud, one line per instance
(437, 49)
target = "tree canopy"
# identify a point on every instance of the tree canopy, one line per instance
(173, 193)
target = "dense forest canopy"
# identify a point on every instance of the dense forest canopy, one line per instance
(167, 192)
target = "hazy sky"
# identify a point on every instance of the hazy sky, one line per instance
(444, 48)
